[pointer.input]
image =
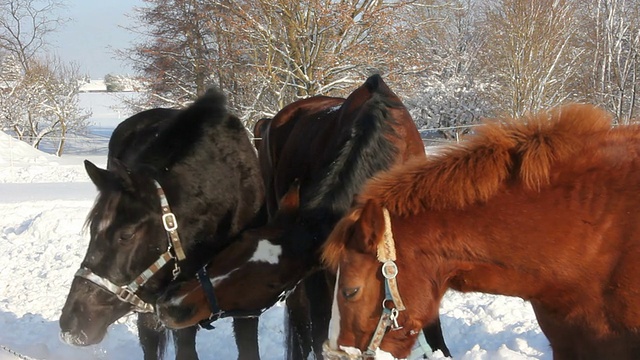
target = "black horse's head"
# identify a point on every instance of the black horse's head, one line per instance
(202, 157)
(127, 236)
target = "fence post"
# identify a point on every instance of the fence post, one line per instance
(11, 154)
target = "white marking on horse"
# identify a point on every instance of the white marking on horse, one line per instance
(334, 323)
(267, 252)
(105, 222)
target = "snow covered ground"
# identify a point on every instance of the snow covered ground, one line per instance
(43, 204)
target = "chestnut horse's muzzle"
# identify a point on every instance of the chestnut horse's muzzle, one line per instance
(345, 353)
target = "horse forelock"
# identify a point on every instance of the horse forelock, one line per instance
(103, 211)
(515, 151)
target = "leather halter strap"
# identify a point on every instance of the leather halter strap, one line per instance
(127, 293)
(216, 311)
(170, 223)
(388, 319)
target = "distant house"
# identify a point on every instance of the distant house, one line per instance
(93, 85)
(111, 83)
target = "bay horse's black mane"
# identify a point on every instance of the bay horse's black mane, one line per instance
(366, 151)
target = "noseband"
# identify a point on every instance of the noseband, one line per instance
(386, 254)
(127, 293)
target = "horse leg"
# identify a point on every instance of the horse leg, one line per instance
(297, 325)
(184, 341)
(319, 292)
(434, 337)
(153, 338)
(246, 334)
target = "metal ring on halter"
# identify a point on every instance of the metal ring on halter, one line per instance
(394, 269)
(170, 222)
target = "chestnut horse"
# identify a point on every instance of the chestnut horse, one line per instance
(546, 208)
(320, 152)
(194, 167)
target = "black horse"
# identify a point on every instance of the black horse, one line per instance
(210, 185)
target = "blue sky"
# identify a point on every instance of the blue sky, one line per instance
(95, 29)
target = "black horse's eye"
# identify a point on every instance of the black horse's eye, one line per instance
(348, 293)
(126, 236)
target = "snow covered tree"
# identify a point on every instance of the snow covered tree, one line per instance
(61, 102)
(178, 56)
(529, 51)
(265, 54)
(38, 95)
(448, 95)
(612, 62)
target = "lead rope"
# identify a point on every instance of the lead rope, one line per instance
(15, 353)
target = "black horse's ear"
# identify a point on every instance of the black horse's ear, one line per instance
(100, 177)
(123, 174)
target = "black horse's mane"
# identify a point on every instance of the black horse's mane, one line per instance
(179, 135)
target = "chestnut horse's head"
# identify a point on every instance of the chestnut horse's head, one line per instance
(376, 307)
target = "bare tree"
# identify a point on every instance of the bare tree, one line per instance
(24, 26)
(43, 103)
(61, 102)
(301, 49)
(38, 94)
(176, 58)
(448, 94)
(613, 44)
(265, 54)
(530, 53)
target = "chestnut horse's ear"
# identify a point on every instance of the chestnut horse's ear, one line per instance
(369, 228)
(289, 205)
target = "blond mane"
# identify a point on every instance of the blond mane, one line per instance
(518, 150)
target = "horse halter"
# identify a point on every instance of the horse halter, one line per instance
(127, 293)
(216, 311)
(386, 254)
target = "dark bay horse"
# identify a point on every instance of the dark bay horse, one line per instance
(210, 186)
(319, 152)
(546, 208)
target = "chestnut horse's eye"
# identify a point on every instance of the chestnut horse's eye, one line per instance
(348, 293)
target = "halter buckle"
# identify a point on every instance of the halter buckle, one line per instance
(170, 222)
(125, 294)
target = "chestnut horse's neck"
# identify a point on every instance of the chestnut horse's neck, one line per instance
(521, 243)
